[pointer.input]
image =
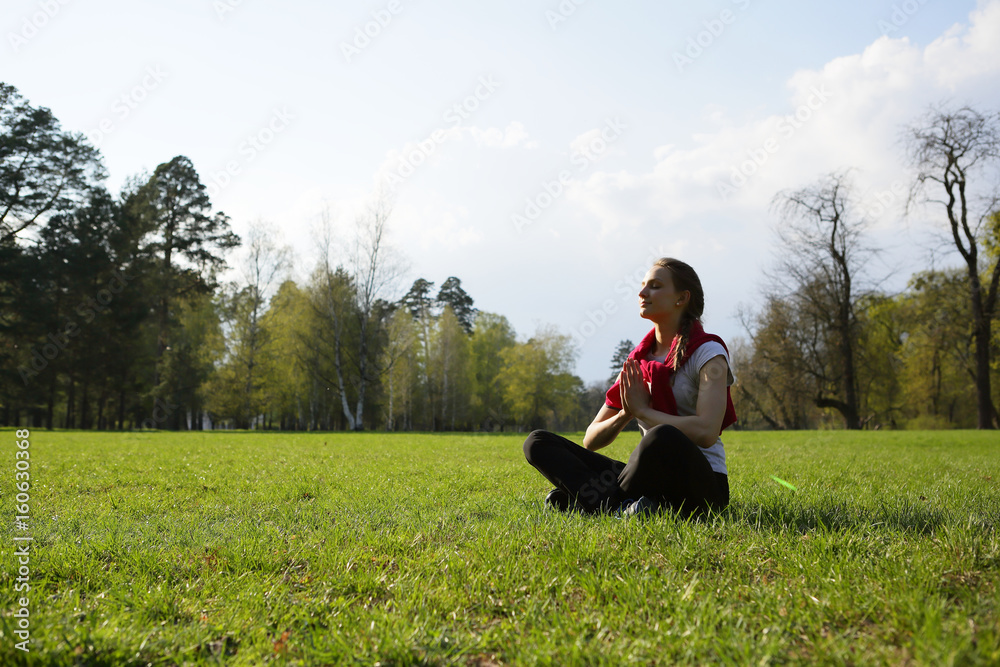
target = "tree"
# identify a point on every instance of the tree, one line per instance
(186, 239)
(624, 348)
(491, 336)
(419, 304)
(244, 309)
(417, 301)
(773, 379)
(450, 372)
(956, 155)
(402, 369)
(822, 252)
(351, 299)
(292, 395)
(451, 294)
(332, 335)
(376, 269)
(194, 352)
(77, 314)
(937, 350)
(42, 168)
(537, 381)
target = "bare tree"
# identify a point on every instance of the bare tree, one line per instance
(352, 299)
(821, 254)
(263, 265)
(375, 270)
(956, 156)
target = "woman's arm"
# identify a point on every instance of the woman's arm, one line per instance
(606, 426)
(704, 426)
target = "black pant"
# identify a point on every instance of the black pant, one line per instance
(665, 466)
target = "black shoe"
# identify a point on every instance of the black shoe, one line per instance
(558, 500)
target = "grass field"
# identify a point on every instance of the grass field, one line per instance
(250, 548)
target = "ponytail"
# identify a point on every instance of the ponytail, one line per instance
(681, 340)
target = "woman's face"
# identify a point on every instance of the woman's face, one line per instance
(658, 298)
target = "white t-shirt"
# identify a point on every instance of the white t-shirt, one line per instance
(685, 386)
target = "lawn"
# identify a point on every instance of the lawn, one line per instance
(330, 548)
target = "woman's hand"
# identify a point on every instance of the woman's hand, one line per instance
(634, 392)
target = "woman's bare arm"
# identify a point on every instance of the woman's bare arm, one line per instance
(606, 426)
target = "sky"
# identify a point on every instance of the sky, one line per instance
(545, 153)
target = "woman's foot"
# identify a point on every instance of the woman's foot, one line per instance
(645, 506)
(558, 500)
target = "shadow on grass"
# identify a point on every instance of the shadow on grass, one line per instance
(904, 517)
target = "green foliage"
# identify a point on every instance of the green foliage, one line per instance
(537, 382)
(42, 169)
(451, 295)
(251, 548)
(289, 388)
(624, 348)
(938, 352)
(157, 342)
(492, 335)
(450, 372)
(773, 381)
(188, 363)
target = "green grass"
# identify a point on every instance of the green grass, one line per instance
(249, 548)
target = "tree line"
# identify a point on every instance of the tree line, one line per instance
(114, 313)
(828, 347)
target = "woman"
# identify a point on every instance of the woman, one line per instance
(676, 384)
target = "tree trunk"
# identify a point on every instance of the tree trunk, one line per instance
(984, 400)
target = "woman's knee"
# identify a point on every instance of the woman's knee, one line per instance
(535, 441)
(660, 440)
(664, 433)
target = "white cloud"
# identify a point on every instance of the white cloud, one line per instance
(848, 113)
